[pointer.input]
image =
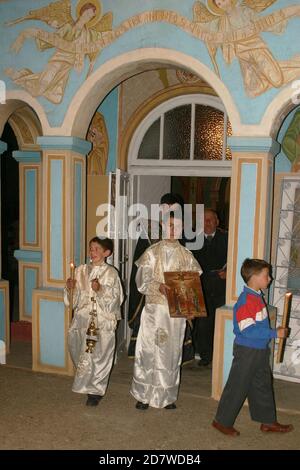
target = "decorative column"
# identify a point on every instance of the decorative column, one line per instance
(250, 224)
(63, 236)
(4, 295)
(29, 255)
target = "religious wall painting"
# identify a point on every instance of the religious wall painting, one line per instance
(237, 26)
(70, 40)
(98, 136)
(231, 26)
(188, 78)
(291, 142)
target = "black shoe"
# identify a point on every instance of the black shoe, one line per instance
(141, 406)
(203, 363)
(93, 400)
(172, 406)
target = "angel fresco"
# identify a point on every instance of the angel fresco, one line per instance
(98, 136)
(89, 26)
(237, 25)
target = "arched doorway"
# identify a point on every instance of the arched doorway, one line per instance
(198, 98)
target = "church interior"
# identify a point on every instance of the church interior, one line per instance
(164, 108)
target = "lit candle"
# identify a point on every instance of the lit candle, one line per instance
(284, 324)
(72, 276)
(72, 269)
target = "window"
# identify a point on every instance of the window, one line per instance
(190, 127)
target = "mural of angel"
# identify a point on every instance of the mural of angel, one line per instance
(98, 136)
(237, 26)
(89, 26)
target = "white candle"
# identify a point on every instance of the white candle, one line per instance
(72, 269)
(284, 324)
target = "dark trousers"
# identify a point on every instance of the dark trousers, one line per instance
(203, 335)
(250, 377)
(204, 327)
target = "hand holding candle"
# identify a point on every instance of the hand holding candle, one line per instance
(282, 331)
(95, 285)
(70, 284)
(72, 271)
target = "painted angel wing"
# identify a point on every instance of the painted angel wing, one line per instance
(56, 14)
(258, 5)
(201, 14)
(104, 24)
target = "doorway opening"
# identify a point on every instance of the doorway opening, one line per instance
(20, 332)
(212, 192)
(170, 136)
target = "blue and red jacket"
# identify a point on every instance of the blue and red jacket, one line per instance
(250, 320)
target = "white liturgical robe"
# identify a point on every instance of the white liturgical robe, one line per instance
(159, 344)
(93, 369)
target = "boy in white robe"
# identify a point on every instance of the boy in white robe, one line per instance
(159, 343)
(96, 287)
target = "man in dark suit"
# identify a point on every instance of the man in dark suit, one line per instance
(212, 258)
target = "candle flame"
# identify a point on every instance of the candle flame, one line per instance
(72, 265)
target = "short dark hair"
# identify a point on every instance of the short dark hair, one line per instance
(106, 243)
(253, 266)
(172, 198)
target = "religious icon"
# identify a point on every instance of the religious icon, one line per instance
(185, 297)
(98, 136)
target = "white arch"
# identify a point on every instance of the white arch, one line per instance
(18, 98)
(277, 110)
(172, 103)
(112, 72)
(181, 167)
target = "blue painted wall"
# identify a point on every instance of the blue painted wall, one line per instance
(30, 283)
(110, 109)
(228, 346)
(56, 211)
(246, 222)
(30, 206)
(52, 340)
(78, 213)
(163, 35)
